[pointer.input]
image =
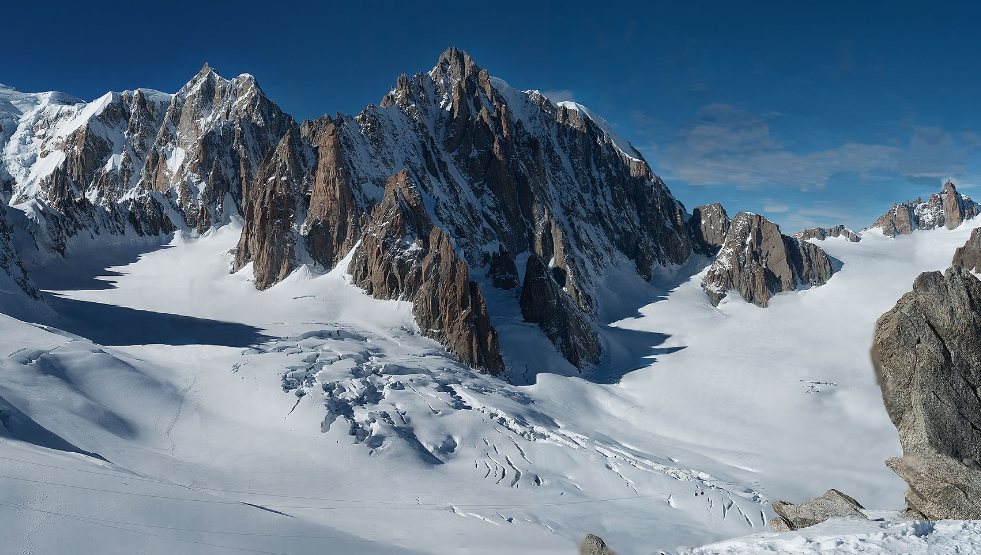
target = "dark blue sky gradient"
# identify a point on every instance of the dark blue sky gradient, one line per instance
(810, 112)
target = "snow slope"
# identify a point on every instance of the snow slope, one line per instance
(885, 532)
(174, 408)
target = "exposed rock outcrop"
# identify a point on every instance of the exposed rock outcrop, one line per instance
(822, 233)
(267, 240)
(19, 297)
(708, 227)
(594, 545)
(940, 487)
(11, 267)
(927, 356)
(544, 303)
(402, 255)
(758, 261)
(969, 254)
(947, 208)
(832, 504)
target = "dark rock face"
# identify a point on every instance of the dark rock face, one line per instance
(968, 256)
(19, 297)
(708, 227)
(758, 261)
(543, 303)
(334, 214)
(402, 255)
(594, 545)
(502, 271)
(927, 355)
(822, 233)
(267, 239)
(10, 262)
(946, 208)
(832, 504)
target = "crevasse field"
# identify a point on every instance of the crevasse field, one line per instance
(169, 407)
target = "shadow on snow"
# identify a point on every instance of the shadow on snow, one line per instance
(87, 268)
(113, 325)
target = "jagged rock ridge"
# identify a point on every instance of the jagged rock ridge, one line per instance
(506, 175)
(947, 208)
(822, 233)
(758, 261)
(927, 356)
(140, 161)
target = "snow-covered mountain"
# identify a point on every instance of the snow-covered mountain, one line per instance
(468, 318)
(140, 161)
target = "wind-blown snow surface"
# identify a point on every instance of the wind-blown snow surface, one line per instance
(174, 408)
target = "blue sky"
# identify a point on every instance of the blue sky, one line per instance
(809, 112)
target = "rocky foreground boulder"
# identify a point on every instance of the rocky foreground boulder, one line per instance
(758, 261)
(822, 233)
(947, 208)
(833, 504)
(927, 357)
(968, 255)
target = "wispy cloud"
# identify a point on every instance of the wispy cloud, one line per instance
(819, 214)
(732, 147)
(774, 207)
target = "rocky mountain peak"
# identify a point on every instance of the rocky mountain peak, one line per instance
(506, 174)
(137, 159)
(758, 261)
(216, 133)
(204, 83)
(822, 233)
(454, 65)
(948, 208)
